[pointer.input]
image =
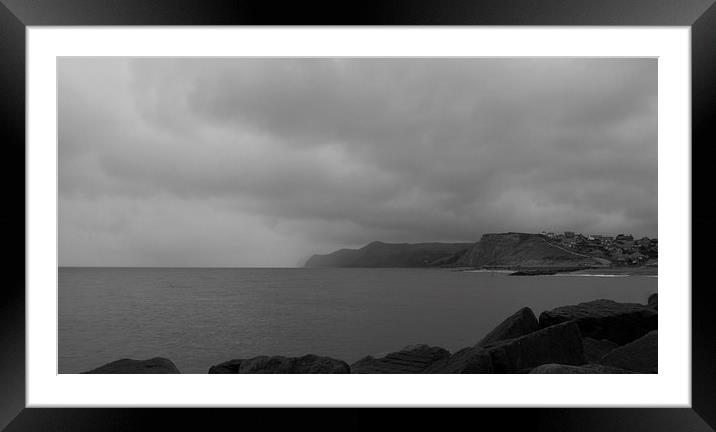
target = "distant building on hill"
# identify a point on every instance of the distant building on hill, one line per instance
(624, 238)
(603, 240)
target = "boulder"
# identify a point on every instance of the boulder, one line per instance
(156, 365)
(229, 367)
(594, 349)
(654, 301)
(308, 364)
(412, 359)
(560, 343)
(554, 368)
(639, 356)
(520, 323)
(472, 360)
(605, 319)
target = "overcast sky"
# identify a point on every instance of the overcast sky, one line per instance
(263, 162)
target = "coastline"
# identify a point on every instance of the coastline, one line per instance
(616, 272)
(646, 271)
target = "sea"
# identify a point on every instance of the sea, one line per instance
(198, 317)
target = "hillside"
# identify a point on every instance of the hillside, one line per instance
(379, 254)
(522, 250)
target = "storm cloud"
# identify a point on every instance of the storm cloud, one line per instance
(263, 162)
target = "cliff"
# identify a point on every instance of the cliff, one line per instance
(379, 254)
(503, 250)
(521, 250)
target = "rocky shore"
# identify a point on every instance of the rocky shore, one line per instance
(596, 337)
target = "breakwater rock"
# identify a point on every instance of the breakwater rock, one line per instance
(518, 324)
(411, 359)
(595, 349)
(605, 319)
(156, 365)
(639, 356)
(584, 369)
(308, 364)
(560, 343)
(654, 301)
(600, 337)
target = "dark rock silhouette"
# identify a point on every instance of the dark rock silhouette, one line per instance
(654, 301)
(585, 369)
(520, 323)
(227, 367)
(560, 343)
(594, 349)
(605, 319)
(156, 365)
(411, 359)
(473, 360)
(638, 356)
(308, 364)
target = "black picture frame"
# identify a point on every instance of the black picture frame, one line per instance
(16, 15)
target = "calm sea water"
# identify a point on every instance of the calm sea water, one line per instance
(198, 317)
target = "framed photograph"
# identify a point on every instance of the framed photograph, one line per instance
(430, 205)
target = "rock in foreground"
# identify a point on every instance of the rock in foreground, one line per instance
(308, 364)
(519, 324)
(474, 360)
(594, 349)
(654, 301)
(569, 369)
(620, 323)
(560, 343)
(227, 367)
(639, 356)
(156, 365)
(412, 359)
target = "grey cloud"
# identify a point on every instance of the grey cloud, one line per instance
(328, 153)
